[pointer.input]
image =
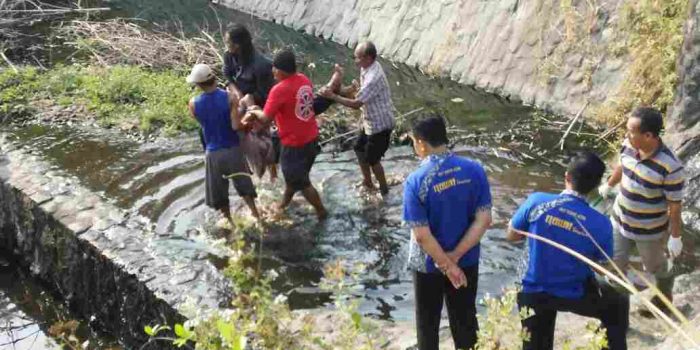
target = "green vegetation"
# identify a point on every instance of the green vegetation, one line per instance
(646, 33)
(261, 320)
(651, 33)
(127, 97)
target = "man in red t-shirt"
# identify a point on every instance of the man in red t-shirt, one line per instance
(290, 105)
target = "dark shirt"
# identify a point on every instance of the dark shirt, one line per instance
(254, 78)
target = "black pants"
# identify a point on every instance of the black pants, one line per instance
(370, 149)
(321, 104)
(430, 291)
(602, 302)
(296, 164)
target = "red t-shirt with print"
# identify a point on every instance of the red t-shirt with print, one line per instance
(291, 104)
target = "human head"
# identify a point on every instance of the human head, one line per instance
(429, 133)
(202, 76)
(284, 64)
(365, 54)
(644, 126)
(239, 41)
(584, 172)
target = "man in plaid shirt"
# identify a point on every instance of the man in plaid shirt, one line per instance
(374, 98)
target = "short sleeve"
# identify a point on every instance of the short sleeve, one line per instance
(415, 213)
(274, 102)
(673, 185)
(483, 201)
(520, 221)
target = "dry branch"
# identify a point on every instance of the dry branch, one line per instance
(121, 42)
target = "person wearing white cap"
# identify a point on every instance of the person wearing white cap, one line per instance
(216, 110)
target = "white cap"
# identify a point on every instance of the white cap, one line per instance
(200, 73)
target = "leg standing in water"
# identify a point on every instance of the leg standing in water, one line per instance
(290, 105)
(451, 195)
(374, 99)
(216, 111)
(556, 281)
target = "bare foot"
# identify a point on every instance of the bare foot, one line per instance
(336, 81)
(279, 208)
(322, 215)
(384, 190)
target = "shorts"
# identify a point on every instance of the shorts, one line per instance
(296, 164)
(371, 148)
(224, 162)
(321, 104)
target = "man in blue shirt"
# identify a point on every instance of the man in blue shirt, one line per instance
(447, 204)
(557, 281)
(216, 110)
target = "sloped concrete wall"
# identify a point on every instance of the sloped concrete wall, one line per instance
(498, 45)
(102, 263)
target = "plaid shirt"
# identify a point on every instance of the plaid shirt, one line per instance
(377, 109)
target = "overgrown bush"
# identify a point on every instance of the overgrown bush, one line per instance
(127, 97)
(650, 32)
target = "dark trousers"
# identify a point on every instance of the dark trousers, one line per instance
(602, 302)
(430, 291)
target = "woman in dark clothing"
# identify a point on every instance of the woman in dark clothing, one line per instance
(247, 72)
(249, 77)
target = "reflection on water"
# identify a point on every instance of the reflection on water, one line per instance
(31, 319)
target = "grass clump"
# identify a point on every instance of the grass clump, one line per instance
(650, 32)
(127, 97)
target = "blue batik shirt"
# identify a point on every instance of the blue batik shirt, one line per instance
(567, 219)
(445, 193)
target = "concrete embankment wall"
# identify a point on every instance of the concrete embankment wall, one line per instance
(526, 50)
(103, 264)
(541, 52)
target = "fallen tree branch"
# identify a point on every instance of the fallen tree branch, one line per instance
(568, 130)
(9, 63)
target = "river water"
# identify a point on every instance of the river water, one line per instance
(163, 181)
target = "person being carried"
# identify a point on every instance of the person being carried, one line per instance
(217, 113)
(447, 205)
(290, 105)
(556, 281)
(374, 98)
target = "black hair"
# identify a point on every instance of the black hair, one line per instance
(285, 61)
(586, 170)
(431, 129)
(239, 34)
(207, 83)
(651, 120)
(370, 50)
